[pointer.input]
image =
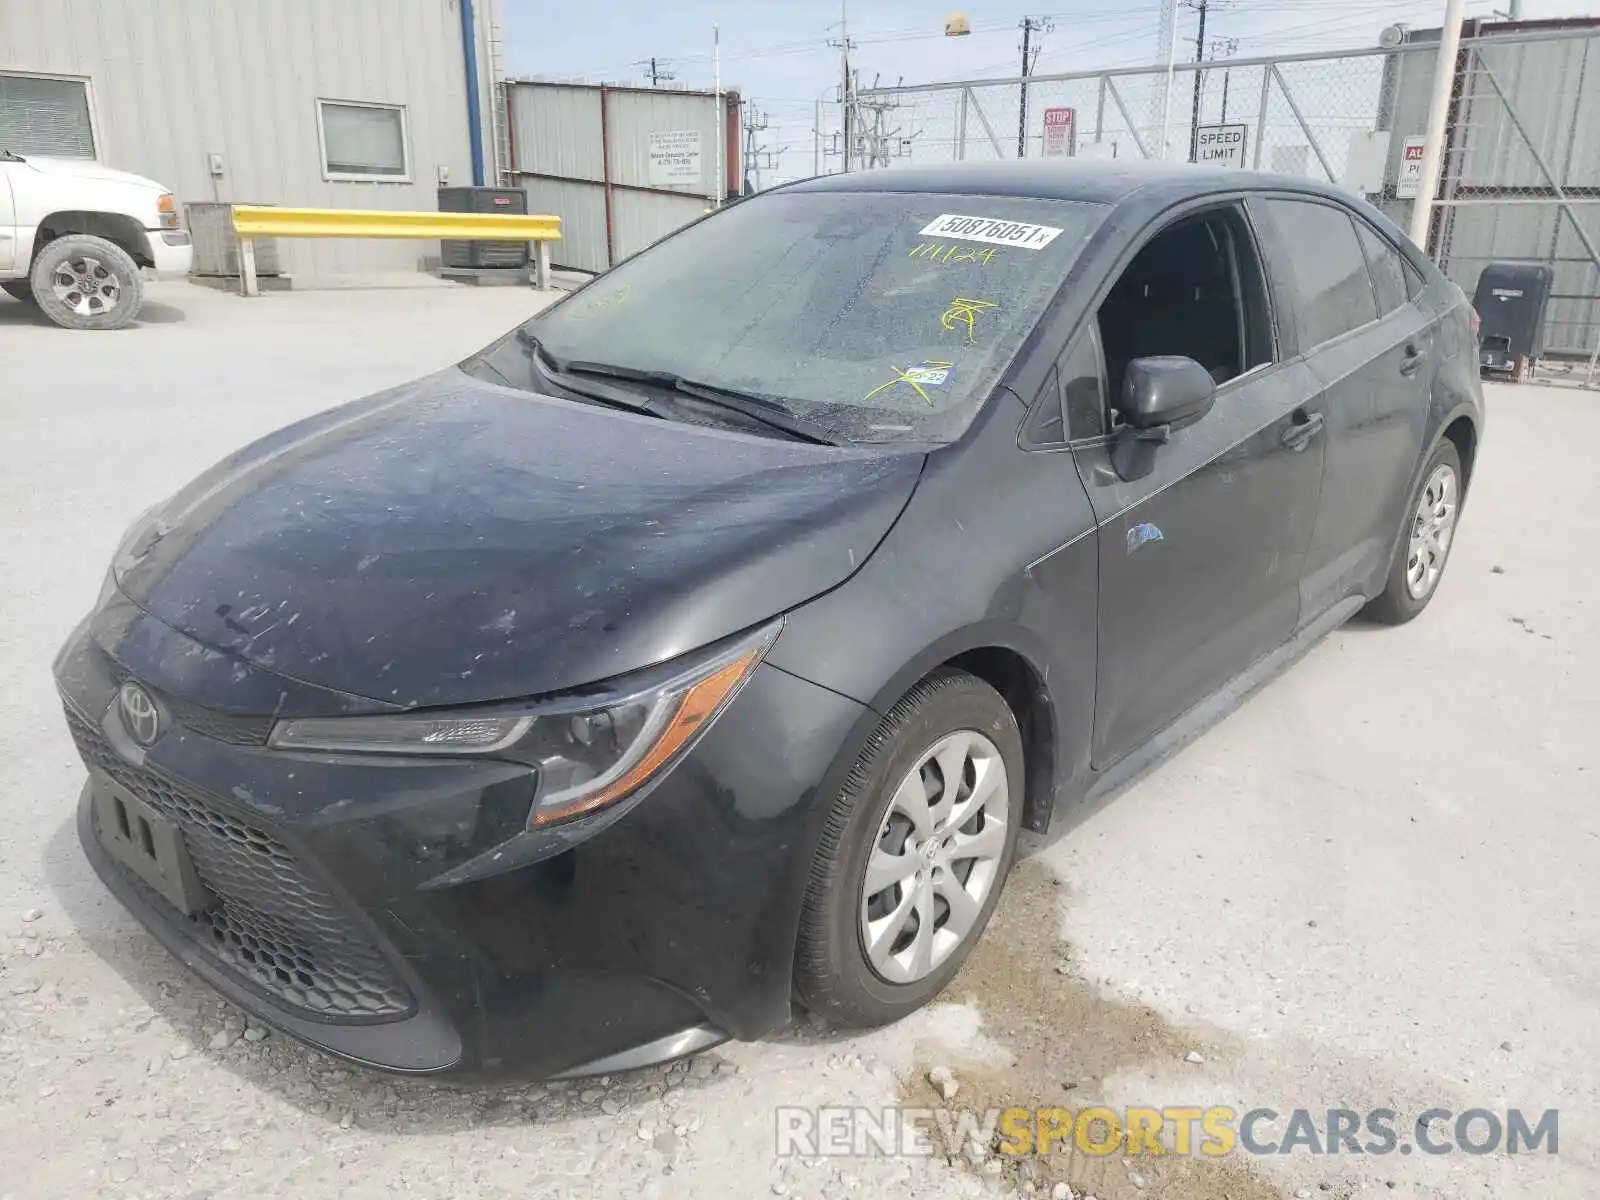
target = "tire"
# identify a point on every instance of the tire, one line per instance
(18, 289)
(85, 282)
(947, 714)
(1409, 589)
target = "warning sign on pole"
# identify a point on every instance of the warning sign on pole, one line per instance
(1410, 181)
(1220, 146)
(1059, 127)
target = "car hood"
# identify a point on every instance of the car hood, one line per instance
(83, 168)
(454, 541)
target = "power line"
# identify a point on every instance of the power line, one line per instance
(655, 71)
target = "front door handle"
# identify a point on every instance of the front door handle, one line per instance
(1412, 362)
(1306, 426)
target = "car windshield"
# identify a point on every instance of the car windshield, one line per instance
(875, 316)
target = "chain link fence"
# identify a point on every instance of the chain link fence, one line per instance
(1521, 169)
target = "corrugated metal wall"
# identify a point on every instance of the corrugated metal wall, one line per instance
(564, 151)
(172, 81)
(1509, 211)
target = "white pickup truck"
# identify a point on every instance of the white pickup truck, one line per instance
(74, 236)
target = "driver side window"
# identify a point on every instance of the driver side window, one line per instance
(1196, 289)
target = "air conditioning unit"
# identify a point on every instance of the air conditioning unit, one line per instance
(481, 255)
(216, 246)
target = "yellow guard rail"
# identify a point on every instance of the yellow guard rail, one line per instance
(253, 221)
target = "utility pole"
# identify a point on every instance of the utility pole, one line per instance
(1030, 54)
(1444, 74)
(657, 73)
(1199, 55)
(847, 96)
(1224, 47)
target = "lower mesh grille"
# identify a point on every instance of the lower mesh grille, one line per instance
(268, 921)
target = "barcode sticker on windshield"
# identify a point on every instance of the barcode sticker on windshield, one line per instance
(992, 230)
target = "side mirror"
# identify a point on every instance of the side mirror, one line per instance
(1159, 394)
(1166, 390)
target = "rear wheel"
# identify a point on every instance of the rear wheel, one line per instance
(1425, 542)
(916, 849)
(18, 289)
(86, 282)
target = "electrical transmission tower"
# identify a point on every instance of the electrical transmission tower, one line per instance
(878, 144)
(755, 121)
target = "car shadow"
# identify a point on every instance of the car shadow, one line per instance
(152, 312)
(15, 312)
(340, 1095)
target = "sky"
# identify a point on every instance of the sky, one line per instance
(776, 52)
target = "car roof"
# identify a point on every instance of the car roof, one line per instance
(1094, 181)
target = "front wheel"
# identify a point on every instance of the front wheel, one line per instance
(1426, 538)
(916, 848)
(85, 282)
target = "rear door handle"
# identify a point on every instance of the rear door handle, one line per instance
(1413, 360)
(1298, 436)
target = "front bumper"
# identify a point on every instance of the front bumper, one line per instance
(393, 913)
(171, 252)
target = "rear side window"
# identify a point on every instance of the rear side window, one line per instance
(1321, 260)
(1387, 268)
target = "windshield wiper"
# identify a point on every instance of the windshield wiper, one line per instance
(763, 410)
(563, 370)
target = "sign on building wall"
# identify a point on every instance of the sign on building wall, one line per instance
(1059, 125)
(1410, 181)
(1220, 145)
(675, 157)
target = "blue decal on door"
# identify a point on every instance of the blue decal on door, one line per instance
(1140, 534)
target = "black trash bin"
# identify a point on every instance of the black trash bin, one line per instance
(1510, 300)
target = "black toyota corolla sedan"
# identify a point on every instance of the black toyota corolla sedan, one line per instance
(701, 646)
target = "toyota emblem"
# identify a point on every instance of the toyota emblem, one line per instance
(140, 715)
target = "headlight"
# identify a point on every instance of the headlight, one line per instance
(588, 753)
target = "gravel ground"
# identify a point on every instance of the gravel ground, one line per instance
(1372, 886)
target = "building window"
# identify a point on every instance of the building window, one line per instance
(42, 114)
(363, 141)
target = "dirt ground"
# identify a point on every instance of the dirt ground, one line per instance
(1374, 885)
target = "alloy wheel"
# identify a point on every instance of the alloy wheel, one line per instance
(86, 285)
(1431, 529)
(936, 857)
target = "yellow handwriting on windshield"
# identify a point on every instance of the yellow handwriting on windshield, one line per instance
(950, 252)
(600, 304)
(914, 377)
(967, 312)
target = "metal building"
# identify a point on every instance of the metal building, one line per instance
(623, 166)
(298, 102)
(1520, 177)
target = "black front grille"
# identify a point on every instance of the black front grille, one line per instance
(268, 921)
(219, 727)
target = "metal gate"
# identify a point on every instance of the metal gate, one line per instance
(1521, 171)
(622, 166)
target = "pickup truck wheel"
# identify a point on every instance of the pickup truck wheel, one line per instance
(86, 282)
(19, 289)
